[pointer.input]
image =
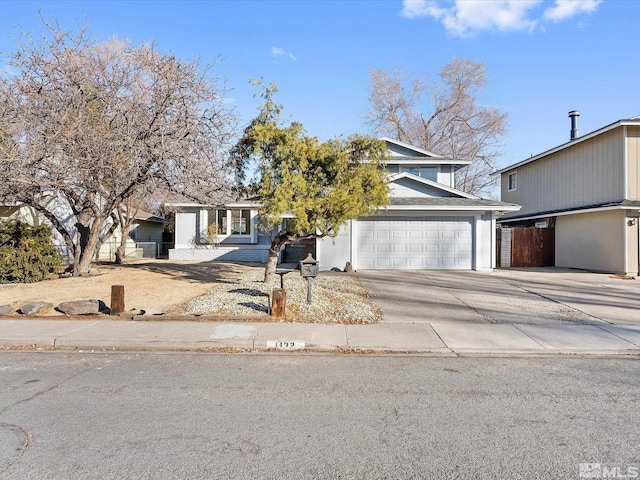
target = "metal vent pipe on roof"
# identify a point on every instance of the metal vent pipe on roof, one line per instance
(573, 115)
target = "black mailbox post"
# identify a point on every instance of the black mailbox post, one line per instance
(309, 268)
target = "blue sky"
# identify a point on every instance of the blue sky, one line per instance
(543, 57)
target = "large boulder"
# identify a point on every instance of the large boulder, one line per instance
(36, 308)
(7, 310)
(80, 307)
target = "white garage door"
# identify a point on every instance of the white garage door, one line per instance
(415, 242)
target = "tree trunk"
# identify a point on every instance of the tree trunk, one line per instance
(82, 266)
(272, 262)
(122, 248)
(88, 244)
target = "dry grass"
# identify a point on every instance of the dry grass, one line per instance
(206, 288)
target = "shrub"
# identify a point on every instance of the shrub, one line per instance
(27, 254)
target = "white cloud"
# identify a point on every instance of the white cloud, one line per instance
(280, 52)
(464, 18)
(564, 9)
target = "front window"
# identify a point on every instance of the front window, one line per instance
(513, 181)
(229, 222)
(241, 222)
(221, 221)
(430, 173)
(413, 170)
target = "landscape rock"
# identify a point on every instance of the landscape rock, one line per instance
(36, 308)
(7, 310)
(80, 307)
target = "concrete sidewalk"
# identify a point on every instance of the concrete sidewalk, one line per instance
(426, 338)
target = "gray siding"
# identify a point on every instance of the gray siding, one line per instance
(148, 232)
(633, 163)
(408, 188)
(588, 173)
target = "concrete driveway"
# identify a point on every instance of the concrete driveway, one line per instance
(549, 296)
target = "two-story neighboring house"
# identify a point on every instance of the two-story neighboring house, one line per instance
(429, 224)
(589, 190)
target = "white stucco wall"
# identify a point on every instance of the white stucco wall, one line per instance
(592, 241)
(186, 228)
(484, 242)
(335, 252)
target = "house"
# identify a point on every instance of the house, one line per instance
(146, 238)
(588, 189)
(429, 224)
(145, 233)
(236, 234)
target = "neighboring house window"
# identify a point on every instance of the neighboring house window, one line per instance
(241, 222)
(430, 173)
(513, 181)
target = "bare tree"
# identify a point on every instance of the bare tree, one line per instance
(88, 125)
(457, 126)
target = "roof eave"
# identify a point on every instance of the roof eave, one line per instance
(431, 183)
(457, 208)
(569, 212)
(409, 147)
(578, 140)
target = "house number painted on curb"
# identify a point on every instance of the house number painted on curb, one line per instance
(286, 344)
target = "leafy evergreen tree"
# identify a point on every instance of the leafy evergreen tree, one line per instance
(318, 186)
(26, 253)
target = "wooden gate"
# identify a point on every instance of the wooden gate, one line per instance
(533, 247)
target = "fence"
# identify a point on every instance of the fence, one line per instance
(526, 247)
(136, 250)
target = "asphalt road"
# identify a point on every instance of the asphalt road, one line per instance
(173, 416)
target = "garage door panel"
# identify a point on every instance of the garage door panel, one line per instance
(415, 242)
(415, 248)
(415, 262)
(368, 263)
(383, 262)
(383, 248)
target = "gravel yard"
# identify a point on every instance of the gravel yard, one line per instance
(336, 298)
(158, 287)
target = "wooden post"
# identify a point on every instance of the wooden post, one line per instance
(278, 302)
(117, 299)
